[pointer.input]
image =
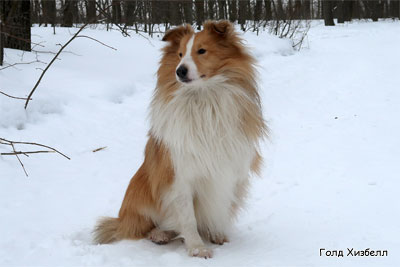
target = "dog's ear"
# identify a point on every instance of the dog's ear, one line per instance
(222, 28)
(175, 35)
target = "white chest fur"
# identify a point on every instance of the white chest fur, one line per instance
(202, 128)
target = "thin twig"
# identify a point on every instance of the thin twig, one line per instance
(98, 149)
(22, 63)
(26, 152)
(91, 38)
(21, 39)
(22, 98)
(20, 162)
(34, 144)
(122, 29)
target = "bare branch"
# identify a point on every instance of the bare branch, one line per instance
(22, 63)
(52, 61)
(55, 57)
(22, 39)
(91, 38)
(20, 162)
(34, 144)
(102, 11)
(10, 96)
(25, 152)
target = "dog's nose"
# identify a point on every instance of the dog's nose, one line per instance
(182, 72)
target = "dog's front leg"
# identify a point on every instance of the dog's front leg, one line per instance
(184, 211)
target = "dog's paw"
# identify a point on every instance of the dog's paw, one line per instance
(219, 239)
(201, 252)
(159, 237)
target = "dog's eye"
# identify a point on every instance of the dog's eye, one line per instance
(201, 51)
(180, 54)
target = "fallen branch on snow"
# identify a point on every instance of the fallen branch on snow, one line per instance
(26, 153)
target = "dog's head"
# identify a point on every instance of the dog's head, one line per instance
(195, 57)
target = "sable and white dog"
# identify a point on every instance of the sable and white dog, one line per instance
(206, 122)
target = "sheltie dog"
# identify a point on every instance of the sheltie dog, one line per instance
(206, 123)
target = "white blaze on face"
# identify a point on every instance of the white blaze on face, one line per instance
(187, 60)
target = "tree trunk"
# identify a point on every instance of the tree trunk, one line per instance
(68, 14)
(356, 12)
(91, 11)
(232, 4)
(1, 34)
(249, 15)
(210, 9)
(340, 11)
(319, 10)
(2, 7)
(188, 11)
(258, 10)
(49, 11)
(221, 9)
(268, 10)
(242, 14)
(395, 9)
(35, 16)
(16, 24)
(158, 11)
(306, 9)
(199, 13)
(75, 11)
(385, 9)
(129, 13)
(348, 7)
(297, 9)
(328, 15)
(116, 11)
(174, 13)
(373, 9)
(280, 13)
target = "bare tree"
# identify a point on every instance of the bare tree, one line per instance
(268, 10)
(2, 4)
(222, 9)
(395, 9)
(16, 29)
(376, 9)
(68, 16)
(91, 10)
(49, 12)
(130, 7)
(116, 11)
(232, 5)
(242, 14)
(257, 10)
(327, 7)
(188, 11)
(210, 8)
(1, 41)
(306, 9)
(340, 11)
(297, 9)
(174, 13)
(199, 13)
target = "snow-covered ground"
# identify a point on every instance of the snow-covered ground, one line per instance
(332, 165)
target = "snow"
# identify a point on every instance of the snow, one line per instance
(331, 174)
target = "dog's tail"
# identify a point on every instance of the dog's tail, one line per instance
(106, 230)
